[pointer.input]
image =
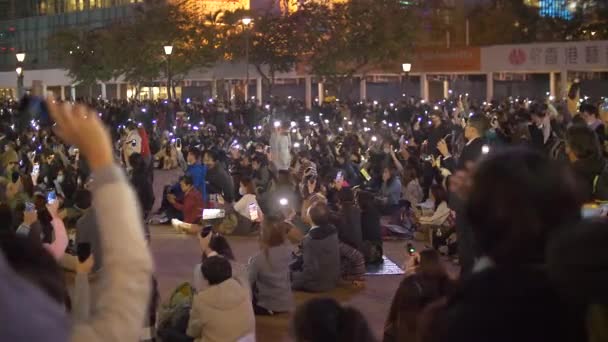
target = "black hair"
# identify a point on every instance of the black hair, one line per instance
(518, 199)
(83, 199)
(479, 123)
(187, 179)
(583, 142)
(216, 270)
(32, 261)
(137, 161)
(589, 108)
(220, 245)
(324, 319)
(195, 152)
(440, 194)
(213, 154)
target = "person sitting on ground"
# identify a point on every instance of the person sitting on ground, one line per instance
(390, 192)
(223, 311)
(349, 229)
(318, 267)
(439, 197)
(269, 270)
(213, 245)
(324, 319)
(188, 210)
(245, 205)
(370, 228)
(218, 180)
(427, 282)
(262, 177)
(197, 171)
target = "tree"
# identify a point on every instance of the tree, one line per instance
(84, 54)
(273, 47)
(352, 38)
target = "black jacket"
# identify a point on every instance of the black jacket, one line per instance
(470, 153)
(219, 182)
(144, 189)
(349, 226)
(511, 305)
(586, 171)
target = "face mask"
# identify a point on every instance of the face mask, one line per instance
(242, 191)
(60, 178)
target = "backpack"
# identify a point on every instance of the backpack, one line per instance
(600, 185)
(175, 314)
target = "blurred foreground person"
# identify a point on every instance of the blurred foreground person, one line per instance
(123, 298)
(517, 200)
(324, 320)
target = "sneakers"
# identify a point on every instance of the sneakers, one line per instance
(176, 225)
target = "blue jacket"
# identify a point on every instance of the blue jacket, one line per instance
(198, 172)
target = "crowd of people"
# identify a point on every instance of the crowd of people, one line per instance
(511, 191)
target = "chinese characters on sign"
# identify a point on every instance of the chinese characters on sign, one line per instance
(589, 55)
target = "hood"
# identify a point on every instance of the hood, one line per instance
(225, 296)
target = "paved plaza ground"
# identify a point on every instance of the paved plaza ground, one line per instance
(176, 254)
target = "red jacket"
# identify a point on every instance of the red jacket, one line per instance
(145, 142)
(191, 207)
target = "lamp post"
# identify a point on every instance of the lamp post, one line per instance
(20, 58)
(246, 22)
(168, 52)
(406, 67)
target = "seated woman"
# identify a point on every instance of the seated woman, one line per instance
(439, 196)
(428, 282)
(269, 270)
(390, 191)
(213, 245)
(168, 157)
(247, 208)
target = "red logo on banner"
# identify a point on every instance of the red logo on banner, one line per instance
(517, 57)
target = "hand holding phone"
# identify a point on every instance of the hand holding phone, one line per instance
(206, 231)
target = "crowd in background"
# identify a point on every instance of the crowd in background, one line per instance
(498, 188)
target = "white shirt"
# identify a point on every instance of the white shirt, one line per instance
(242, 206)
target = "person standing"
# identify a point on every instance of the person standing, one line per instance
(280, 145)
(132, 143)
(474, 133)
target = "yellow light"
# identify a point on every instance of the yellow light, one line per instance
(246, 21)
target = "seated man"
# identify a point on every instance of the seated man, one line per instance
(319, 267)
(223, 311)
(218, 180)
(190, 208)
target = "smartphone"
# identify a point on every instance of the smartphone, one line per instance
(29, 207)
(211, 214)
(51, 197)
(253, 212)
(365, 175)
(410, 249)
(339, 177)
(178, 143)
(35, 107)
(83, 250)
(206, 231)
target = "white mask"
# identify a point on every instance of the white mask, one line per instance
(242, 191)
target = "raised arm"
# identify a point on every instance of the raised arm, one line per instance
(123, 300)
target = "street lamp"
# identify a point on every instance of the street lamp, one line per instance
(20, 59)
(246, 22)
(168, 52)
(407, 67)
